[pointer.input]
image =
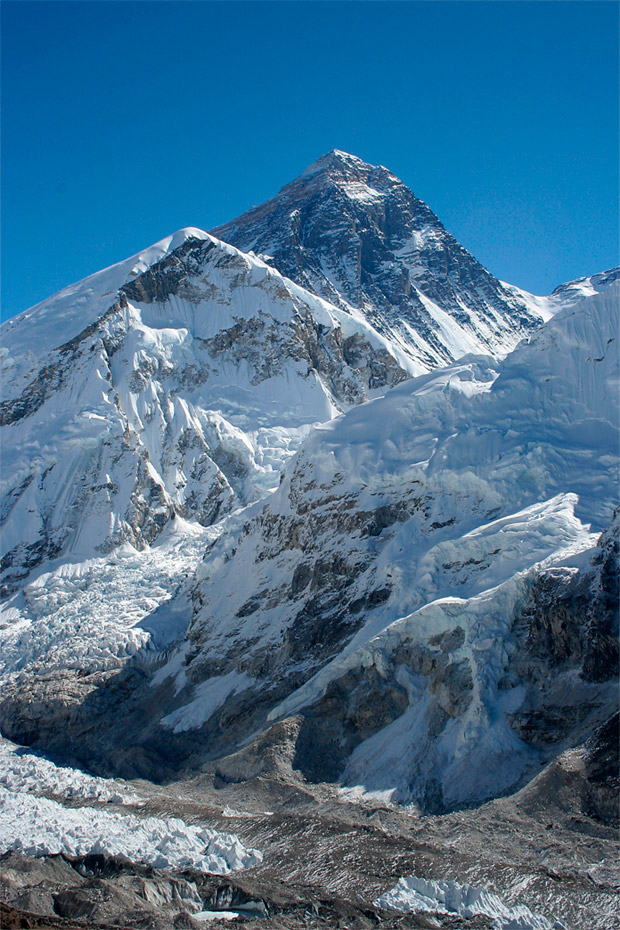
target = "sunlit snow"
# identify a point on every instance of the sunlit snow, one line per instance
(449, 897)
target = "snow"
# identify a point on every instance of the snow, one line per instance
(364, 193)
(566, 295)
(453, 306)
(210, 695)
(477, 754)
(450, 897)
(26, 771)
(196, 403)
(251, 909)
(163, 395)
(58, 319)
(41, 827)
(147, 418)
(514, 470)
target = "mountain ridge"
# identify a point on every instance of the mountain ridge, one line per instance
(169, 454)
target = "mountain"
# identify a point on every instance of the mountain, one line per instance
(422, 608)
(356, 235)
(241, 507)
(388, 600)
(314, 533)
(174, 383)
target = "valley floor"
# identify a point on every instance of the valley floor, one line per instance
(328, 857)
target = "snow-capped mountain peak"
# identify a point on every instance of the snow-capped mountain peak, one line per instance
(355, 234)
(340, 169)
(364, 570)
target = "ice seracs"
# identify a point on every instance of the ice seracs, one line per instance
(41, 826)
(23, 771)
(450, 897)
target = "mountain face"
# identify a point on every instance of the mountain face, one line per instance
(423, 599)
(424, 566)
(300, 497)
(356, 235)
(176, 383)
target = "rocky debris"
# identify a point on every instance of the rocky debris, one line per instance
(13, 919)
(327, 859)
(97, 892)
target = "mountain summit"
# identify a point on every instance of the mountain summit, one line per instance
(355, 234)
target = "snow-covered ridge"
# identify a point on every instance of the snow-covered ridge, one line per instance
(568, 294)
(196, 373)
(33, 334)
(150, 412)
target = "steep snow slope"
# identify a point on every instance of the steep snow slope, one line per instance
(377, 591)
(31, 335)
(178, 381)
(355, 234)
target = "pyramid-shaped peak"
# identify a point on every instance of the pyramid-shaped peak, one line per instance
(338, 164)
(337, 158)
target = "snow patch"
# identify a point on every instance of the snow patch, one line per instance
(210, 695)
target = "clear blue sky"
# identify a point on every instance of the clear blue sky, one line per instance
(123, 121)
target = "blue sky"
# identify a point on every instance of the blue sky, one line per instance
(123, 121)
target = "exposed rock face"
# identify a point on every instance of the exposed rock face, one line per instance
(356, 235)
(567, 633)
